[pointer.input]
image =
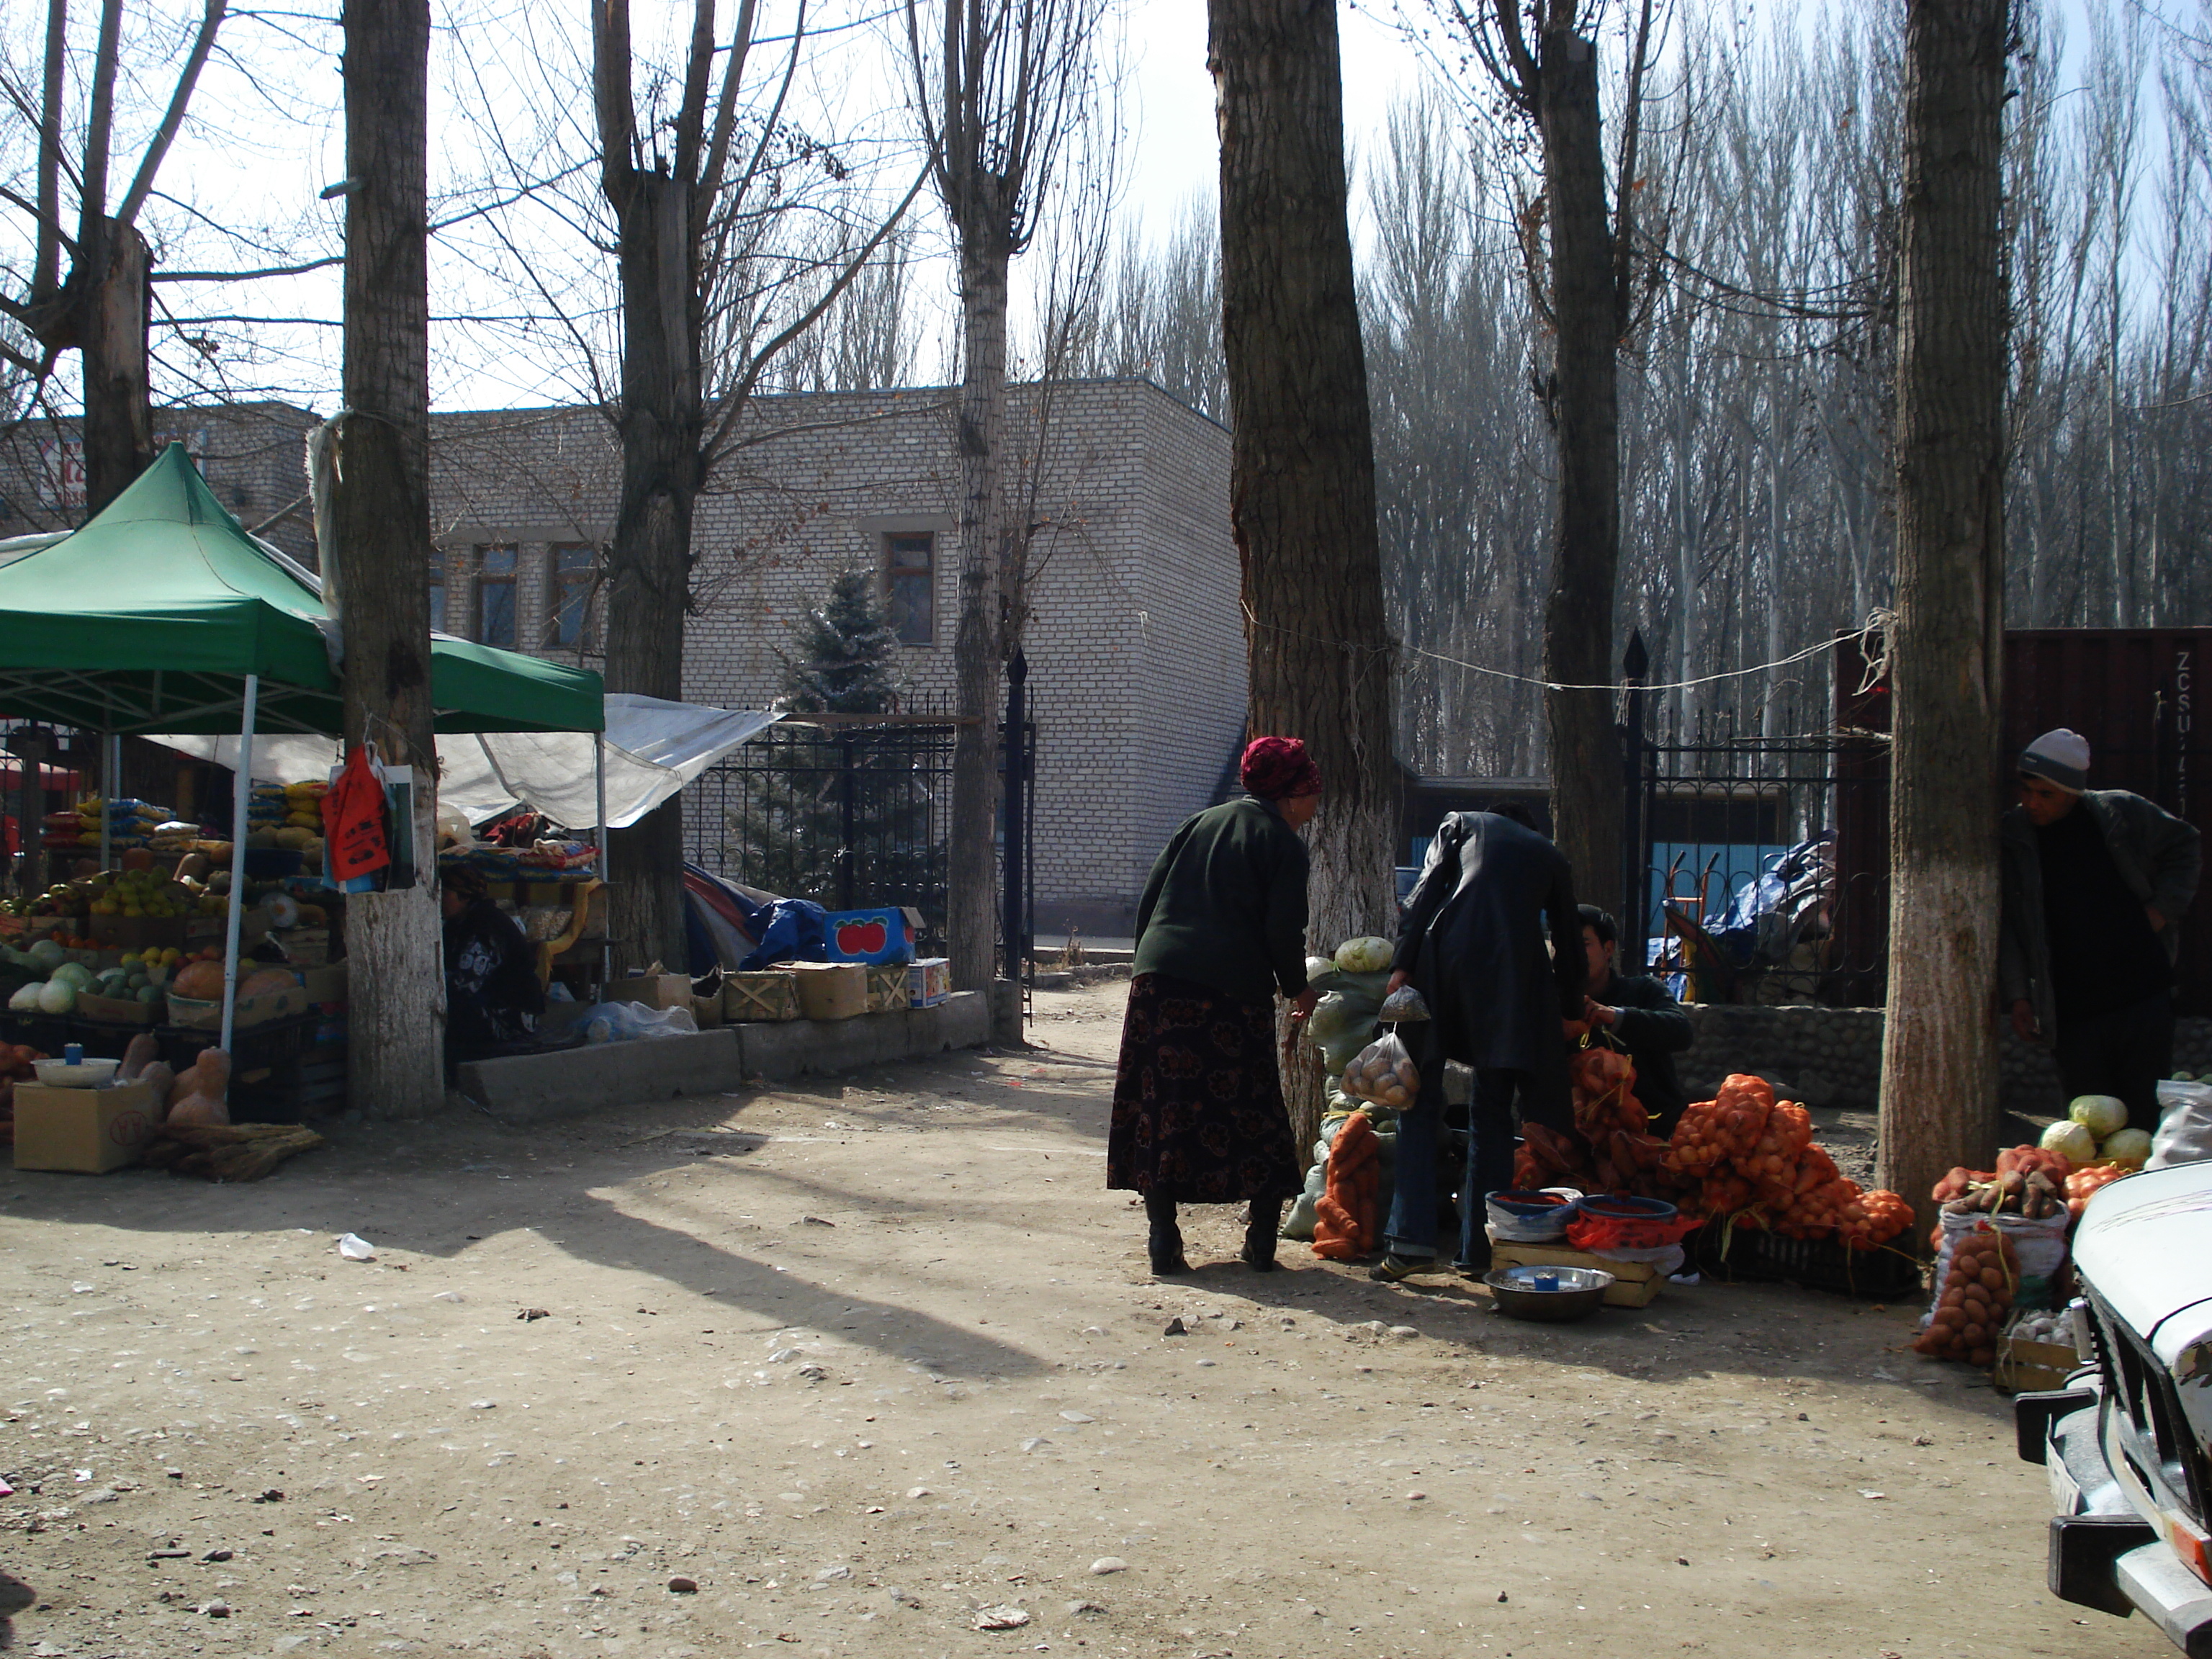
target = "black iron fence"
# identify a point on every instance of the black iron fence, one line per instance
(848, 811)
(1744, 841)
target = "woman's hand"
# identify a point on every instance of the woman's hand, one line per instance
(1397, 982)
(1302, 1005)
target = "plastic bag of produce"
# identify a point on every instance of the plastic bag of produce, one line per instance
(1383, 1073)
(1978, 1282)
(1403, 1006)
(2184, 1130)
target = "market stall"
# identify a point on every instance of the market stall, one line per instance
(162, 615)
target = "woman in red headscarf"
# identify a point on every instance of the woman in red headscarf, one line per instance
(1198, 1105)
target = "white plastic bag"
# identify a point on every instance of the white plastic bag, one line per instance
(2185, 1125)
(620, 1022)
(2038, 1245)
(1383, 1073)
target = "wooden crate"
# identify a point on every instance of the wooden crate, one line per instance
(760, 996)
(888, 991)
(2026, 1367)
(1635, 1284)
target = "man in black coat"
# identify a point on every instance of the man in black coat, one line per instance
(1472, 941)
(1639, 1010)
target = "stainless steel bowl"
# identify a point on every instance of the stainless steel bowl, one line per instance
(1550, 1293)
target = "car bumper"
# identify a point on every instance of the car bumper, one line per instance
(2103, 1554)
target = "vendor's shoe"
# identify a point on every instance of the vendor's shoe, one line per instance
(1263, 1223)
(1394, 1268)
(1165, 1244)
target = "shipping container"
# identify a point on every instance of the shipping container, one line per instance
(2131, 692)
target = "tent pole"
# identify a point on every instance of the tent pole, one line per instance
(241, 791)
(107, 798)
(600, 781)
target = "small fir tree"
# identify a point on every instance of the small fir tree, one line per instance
(846, 650)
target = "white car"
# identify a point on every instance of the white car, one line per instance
(2128, 1442)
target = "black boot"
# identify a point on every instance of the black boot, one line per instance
(1262, 1222)
(1165, 1244)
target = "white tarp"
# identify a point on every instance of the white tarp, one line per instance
(653, 749)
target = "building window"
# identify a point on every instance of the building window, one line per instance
(910, 584)
(438, 590)
(495, 595)
(568, 577)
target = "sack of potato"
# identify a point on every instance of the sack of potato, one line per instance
(1382, 1073)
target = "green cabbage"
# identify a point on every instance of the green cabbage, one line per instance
(2100, 1115)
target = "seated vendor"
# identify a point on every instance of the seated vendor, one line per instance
(1639, 1010)
(493, 998)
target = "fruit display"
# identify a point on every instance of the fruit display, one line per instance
(62, 899)
(16, 1062)
(2086, 1183)
(143, 892)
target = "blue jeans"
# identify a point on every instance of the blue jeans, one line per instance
(1411, 1228)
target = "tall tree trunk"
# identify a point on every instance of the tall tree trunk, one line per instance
(979, 644)
(1939, 1061)
(662, 425)
(1301, 459)
(114, 311)
(1584, 752)
(381, 519)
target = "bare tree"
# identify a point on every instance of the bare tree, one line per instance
(375, 457)
(1939, 1072)
(1000, 87)
(100, 307)
(693, 189)
(1302, 462)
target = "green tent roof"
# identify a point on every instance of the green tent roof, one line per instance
(149, 618)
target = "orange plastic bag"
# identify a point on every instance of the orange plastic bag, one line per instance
(353, 818)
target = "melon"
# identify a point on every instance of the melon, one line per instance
(199, 981)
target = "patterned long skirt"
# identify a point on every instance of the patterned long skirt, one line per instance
(1198, 1105)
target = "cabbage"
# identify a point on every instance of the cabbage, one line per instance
(46, 956)
(2128, 1147)
(1318, 968)
(2101, 1115)
(74, 974)
(1365, 955)
(58, 996)
(25, 999)
(2072, 1139)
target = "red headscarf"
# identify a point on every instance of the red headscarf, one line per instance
(1275, 767)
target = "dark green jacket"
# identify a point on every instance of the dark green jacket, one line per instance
(1225, 906)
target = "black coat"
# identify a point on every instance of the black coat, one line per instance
(1473, 940)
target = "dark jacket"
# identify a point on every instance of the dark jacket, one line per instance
(2157, 854)
(492, 993)
(1473, 940)
(1226, 905)
(1653, 1028)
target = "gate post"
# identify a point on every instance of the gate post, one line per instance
(1635, 877)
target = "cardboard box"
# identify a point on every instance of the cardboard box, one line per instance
(928, 981)
(250, 1011)
(769, 995)
(887, 988)
(140, 933)
(653, 990)
(118, 1011)
(830, 990)
(306, 947)
(325, 984)
(88, 1131)
(872, 936)
(1635, 1284)
(707, 1012)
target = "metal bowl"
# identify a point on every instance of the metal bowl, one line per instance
(1550, 1293)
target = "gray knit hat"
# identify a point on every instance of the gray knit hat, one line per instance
(2061, 757)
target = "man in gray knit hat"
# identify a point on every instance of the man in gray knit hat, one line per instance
(2094, 883)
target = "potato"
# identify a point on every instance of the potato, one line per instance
(1992, 1279)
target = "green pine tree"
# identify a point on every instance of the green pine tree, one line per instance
(844, 812)
(845, 652)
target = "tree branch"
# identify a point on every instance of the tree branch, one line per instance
(173, 117)
(46, 270)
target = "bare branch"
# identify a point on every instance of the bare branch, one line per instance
(173, 117)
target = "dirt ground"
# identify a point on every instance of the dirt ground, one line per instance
(875, 1361)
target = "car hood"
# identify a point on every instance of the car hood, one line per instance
(2145, 1241)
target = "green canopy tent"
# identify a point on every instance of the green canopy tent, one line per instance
(163, 615)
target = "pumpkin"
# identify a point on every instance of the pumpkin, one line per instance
(200, 982)
(265, 980)
(162, 1082)
(199, 1112)
(144, 1050)
(137, 858)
